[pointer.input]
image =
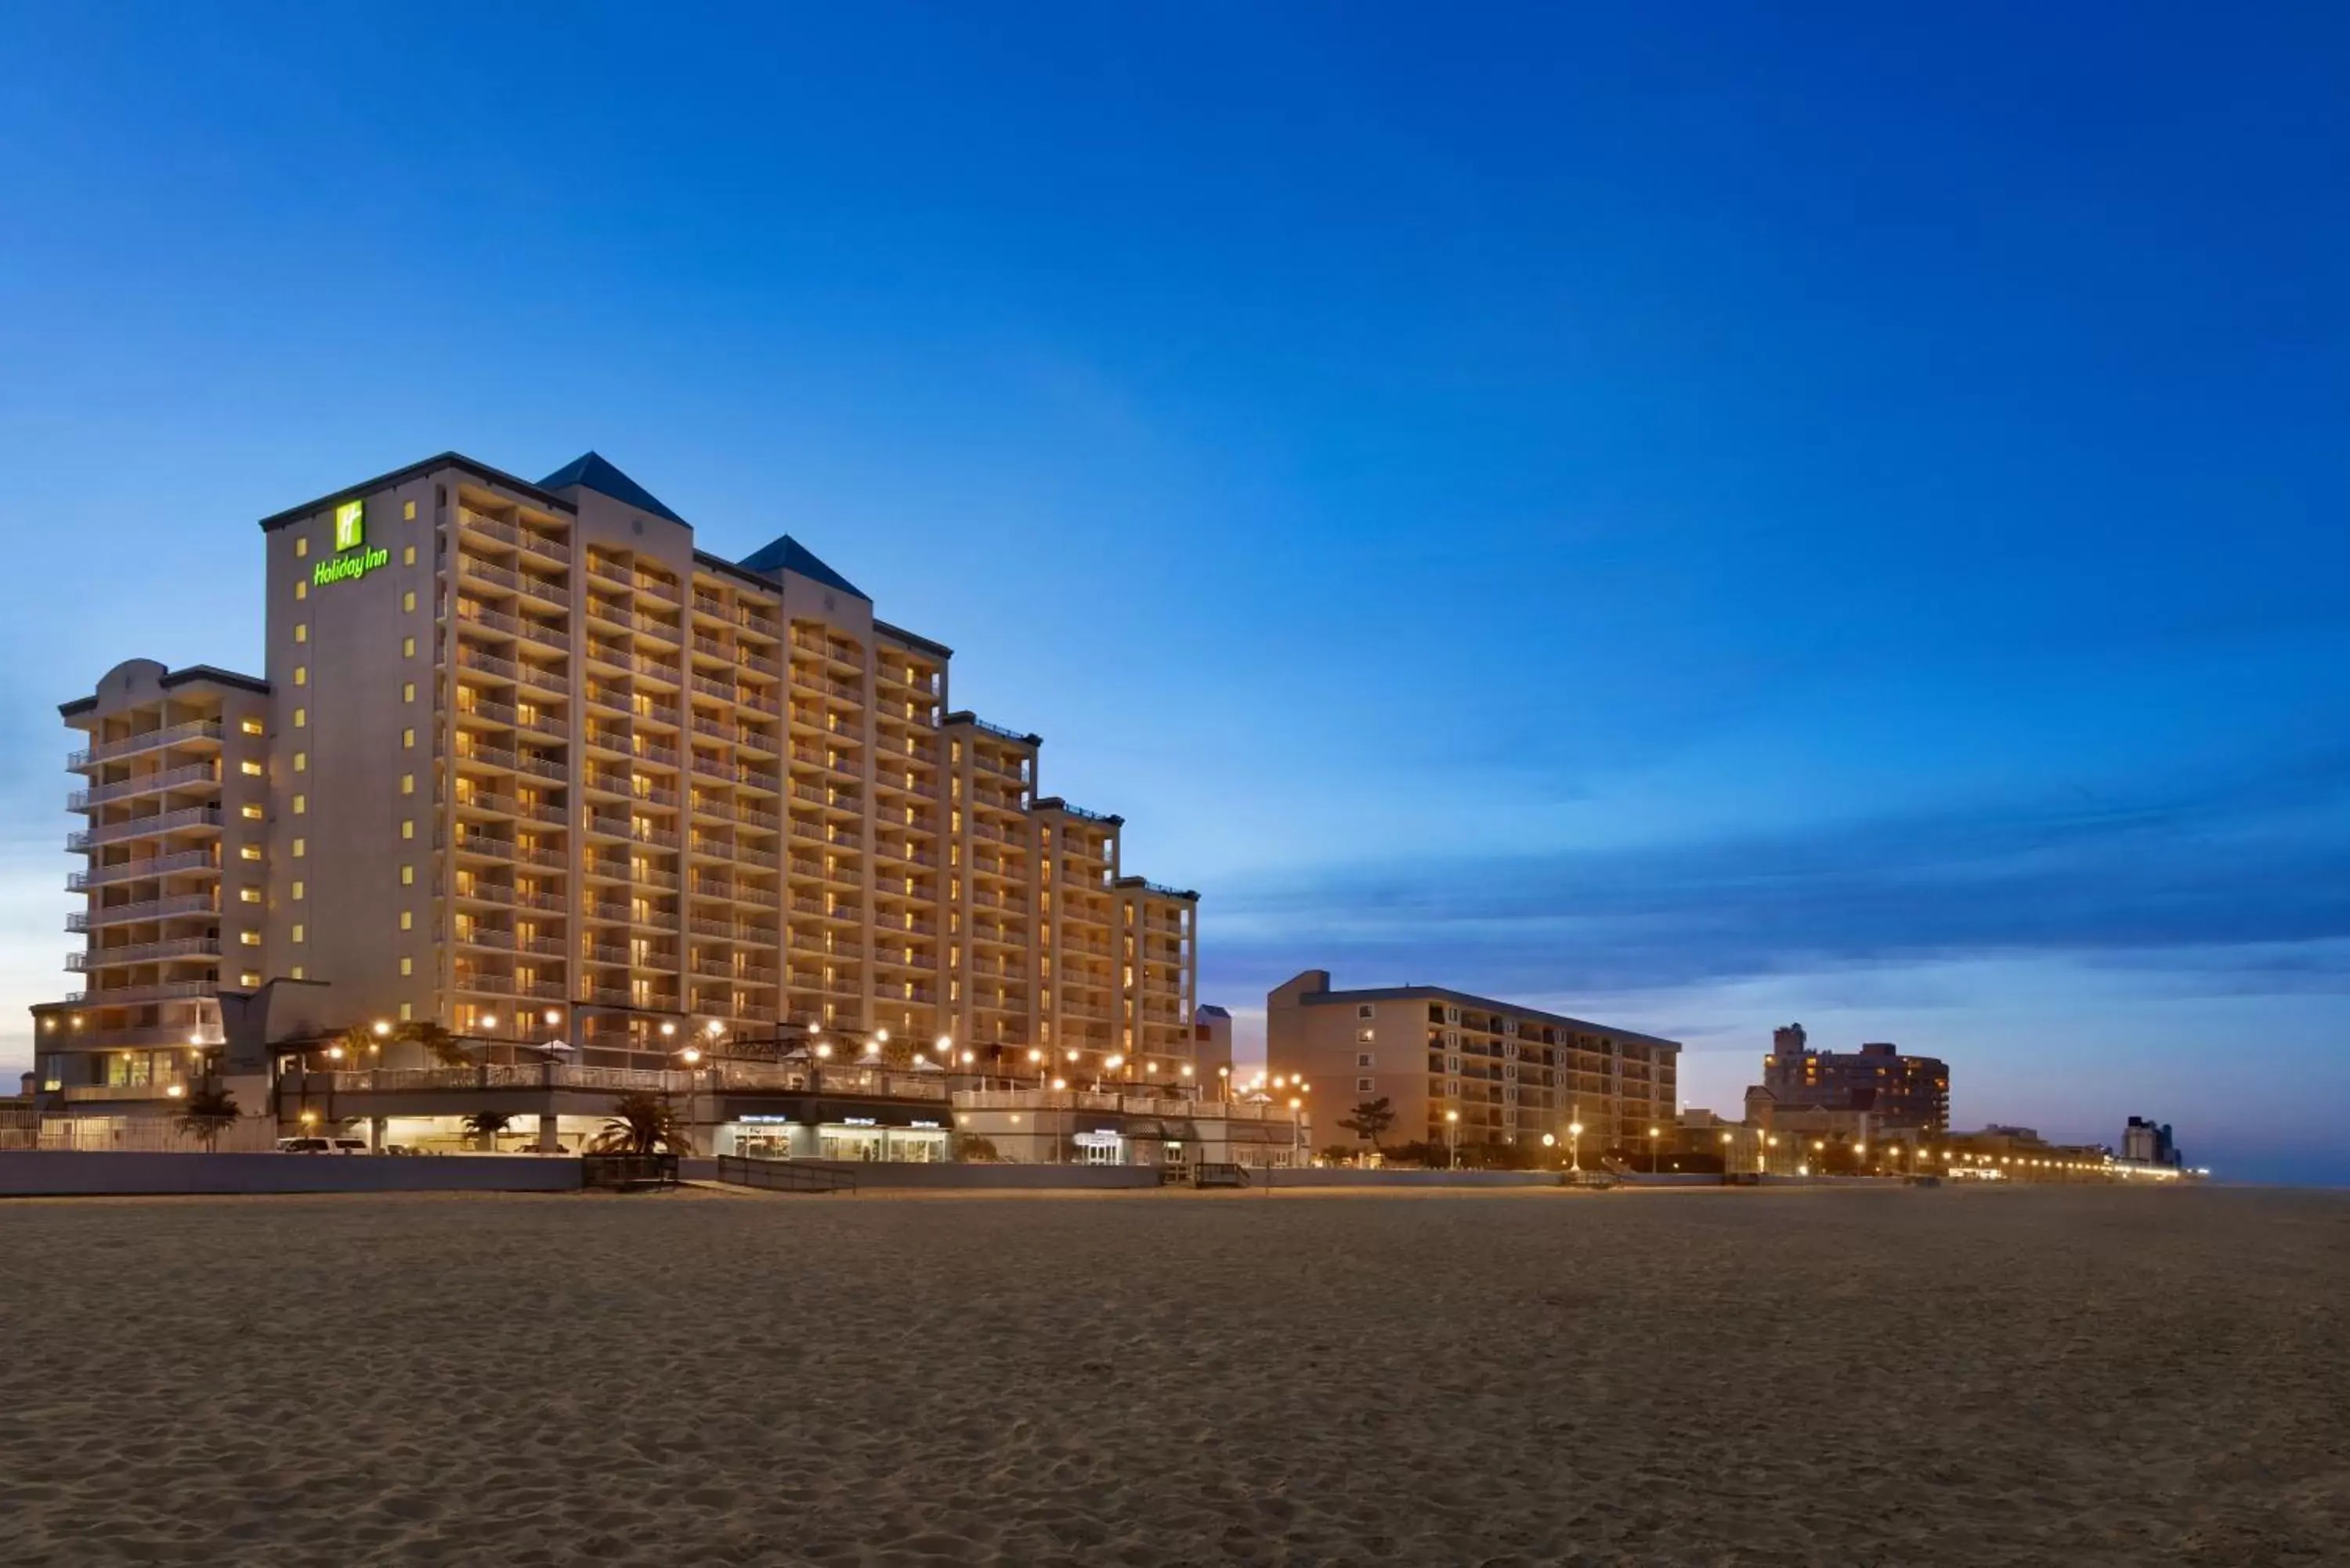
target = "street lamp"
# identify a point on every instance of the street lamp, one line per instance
(691, 1057)
(1452, 1140)
(1296, 1130)
(1652, 1151)
(176, 1090)
(1725, 1156)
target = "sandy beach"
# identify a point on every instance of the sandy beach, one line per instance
(2082, 1376)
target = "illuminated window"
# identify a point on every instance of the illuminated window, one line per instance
(408, 738)
(301, 588)
(408, 600)
(407, 919)
(301, 804)
(301, 847)
(251, 770)
(408, 966)
(249, 895)
(249, 852)
(408, 827)
(297, 973)
(301, 631)
(301, 546)
(408, 557)
(408, 784)
(407, 647)
(251, 813)
(403, 1013)
(250, 979)
(408, 691)
(301, 761)
(408, 876)
(250, 938)
(407, 514)
(301, 675)
(301, 932)
(250, 726)
(301, 718)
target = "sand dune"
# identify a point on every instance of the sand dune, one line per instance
(1979, 1378)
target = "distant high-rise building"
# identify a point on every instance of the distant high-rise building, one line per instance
(2150, 1143)
(1892, 1090)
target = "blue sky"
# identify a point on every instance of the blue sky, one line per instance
(1697, 515)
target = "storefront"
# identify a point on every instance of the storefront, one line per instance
(830, 1131)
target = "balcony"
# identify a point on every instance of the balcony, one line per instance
(158, 990)
(144, 952)
(131, 745)
(136, 870)
(193, 776)
(149, 827)
(146, 910)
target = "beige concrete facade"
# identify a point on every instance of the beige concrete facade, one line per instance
(1510, 1074)
(526, 763)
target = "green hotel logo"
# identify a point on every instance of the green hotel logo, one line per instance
(350, 535)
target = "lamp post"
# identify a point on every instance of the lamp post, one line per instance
(691, 1057)
(1575, 1146)
(1296, 1130)
(1725, 1156)
(1652, 1151)
(1452, 1140)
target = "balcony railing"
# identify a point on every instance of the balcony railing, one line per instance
(130, 745)
(145, 783)
(136, 870)
(146, 910)
(144, 826)
(143, 953)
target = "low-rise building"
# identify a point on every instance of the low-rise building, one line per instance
(1468, 1070)
(1182, 1132)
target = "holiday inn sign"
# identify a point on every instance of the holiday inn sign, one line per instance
(350, 535)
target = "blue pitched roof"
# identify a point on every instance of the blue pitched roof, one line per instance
(591, 472)
(788, 554)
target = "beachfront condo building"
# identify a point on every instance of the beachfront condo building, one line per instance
(1877, 1087)
(1468, 1069)
(526, 763)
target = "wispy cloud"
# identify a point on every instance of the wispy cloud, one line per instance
(2256, 863)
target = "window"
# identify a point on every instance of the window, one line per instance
(407, 920)
(301, 718)
(1451, 1015)
(301, 546)
(301, 588)
(1365, 1036)
(250, 938)
(1364, 1010)
(250, 769)
(301, 761)
(408, 876)
(1451, 1088)
(1365, 1086)
(408, 691)
(1363, 1059)
(407, 739)
(407, 514)
(300, 932)
(301, 847)
(403, 1012)
(408, 827)
(250, 979)
(298, 888)
(295, 973)
(1452, 1063)
(250, 726)
(407, 647)
(301, 675)
(301, 804)
(249, 895)
(249, 852)
(408, 784)
(408, 600)
(301, 631)
(408, 557)
(408, 966)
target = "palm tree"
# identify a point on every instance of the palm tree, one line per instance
(358, 1046)
(643, 1123)
(445, 1048)
(207, 1112)
(485, 1126)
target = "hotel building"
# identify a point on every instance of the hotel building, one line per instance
(1875, 1088)
(525, 762)
(1508, 1074)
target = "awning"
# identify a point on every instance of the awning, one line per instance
(1164, 1130)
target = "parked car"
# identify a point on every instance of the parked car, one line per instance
(303, 1146)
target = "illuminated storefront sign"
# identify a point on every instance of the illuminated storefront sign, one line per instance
(351, 537)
